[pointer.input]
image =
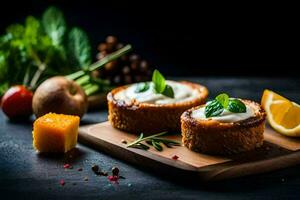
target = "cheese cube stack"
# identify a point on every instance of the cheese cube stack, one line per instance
(55, 132)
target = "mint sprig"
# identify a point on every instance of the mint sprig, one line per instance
(236, 106)
(221, 102)
(223, 99)
(213, 108)
(168, 91)
(160, 85)
(159, 81)
(142, 87)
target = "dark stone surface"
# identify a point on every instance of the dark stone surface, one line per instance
(24, 174)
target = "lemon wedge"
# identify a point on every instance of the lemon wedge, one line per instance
(282, 114)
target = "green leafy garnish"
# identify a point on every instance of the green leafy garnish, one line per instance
(236, 106)
(168, 91)
(159, 81)
(221, 102)
(213, 108)
(153, 140)
(79, 48)
(42, 48)
(3, 87)
(54, 24)
(142, 87)
(160, 85)
(223, 99)
(156, 145)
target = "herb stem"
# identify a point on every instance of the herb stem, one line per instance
(146, 138)
(166, 140)
(37, 75)
(26, 77)
(102, 62)
(91, 89)
(83, 80)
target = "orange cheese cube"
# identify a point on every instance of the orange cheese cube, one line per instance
(55, 132)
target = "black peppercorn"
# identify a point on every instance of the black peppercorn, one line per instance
(95, 168)
(115, 171)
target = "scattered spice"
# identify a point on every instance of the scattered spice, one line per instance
(113, 178)
(95, 168)
(175, 157)
(115, 171)
(124, 141)
(67, 166)
(103, 173)
(97, 171)
(62, 182)
(115, 175)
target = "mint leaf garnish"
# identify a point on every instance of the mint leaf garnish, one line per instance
(223, 99)
(168, 91)
(159, 81)
(142, 87)
(236, 106)
(160, 85)
(213, 108)
(221, 102)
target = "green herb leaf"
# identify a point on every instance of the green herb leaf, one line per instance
(140, 146)
(156, 145)
(54, 24)
(32, 31)
(160, 85)
(142, 87)
(3, 68)
(15, 31)
(141, 136)
(167, 141)
(223, 99)
(168, 91)
(79, 48)
(3, 87)
(153, 140)
(236, 106)
(149, 142)
(159, 81)
(213, 108)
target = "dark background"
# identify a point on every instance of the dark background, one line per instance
(185, 37)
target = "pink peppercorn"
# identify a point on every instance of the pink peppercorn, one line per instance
(175, 157)
(62, 182)
(113, 178)
(67, 166)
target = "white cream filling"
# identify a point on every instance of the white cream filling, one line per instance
(182, 93)
(226, 116)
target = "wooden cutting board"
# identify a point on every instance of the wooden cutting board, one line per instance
(277, 152)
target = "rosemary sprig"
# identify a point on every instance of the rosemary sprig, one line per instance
(153, 140)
